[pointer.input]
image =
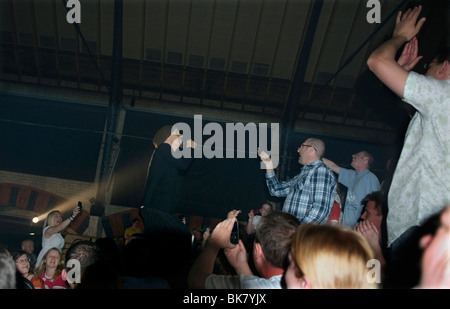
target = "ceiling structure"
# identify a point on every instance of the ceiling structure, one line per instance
(227, 59)
(260, 61)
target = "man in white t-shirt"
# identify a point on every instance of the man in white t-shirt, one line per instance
(421, 182)
(270, 251)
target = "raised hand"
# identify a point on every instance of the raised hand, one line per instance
(409, 58)
(406, 23)
(266, 159)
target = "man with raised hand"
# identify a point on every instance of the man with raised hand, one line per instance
(421, 182)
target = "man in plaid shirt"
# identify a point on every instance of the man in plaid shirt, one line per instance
(309, 195)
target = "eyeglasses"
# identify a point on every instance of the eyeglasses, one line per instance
(23, 261)
(304, 145)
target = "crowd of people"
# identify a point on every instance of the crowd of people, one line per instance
(377, 240)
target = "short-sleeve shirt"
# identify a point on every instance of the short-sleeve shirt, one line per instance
(57, 283)
(421, 183)
(359, 185)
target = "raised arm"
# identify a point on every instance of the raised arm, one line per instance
(61, 226)
(203, 265)
(333, 166)
(382, 61)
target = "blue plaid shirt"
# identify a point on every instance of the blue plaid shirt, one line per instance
(309, 195)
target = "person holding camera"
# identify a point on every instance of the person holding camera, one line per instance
(270, 251)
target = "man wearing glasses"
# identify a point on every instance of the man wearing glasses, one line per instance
(309, 195)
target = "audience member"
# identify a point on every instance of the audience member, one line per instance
(309, 195)
(24, 269)
(93, 270)
(132, 230)
(403, 271)
(329, 257)
(435, 262)
(27, 245)
(270, 250)
(255, 215)
(51, 236)
(359, 181)
(421, 181)
(50, 270)
(7, 271)
(370, 226)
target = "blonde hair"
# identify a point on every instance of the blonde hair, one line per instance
(332, 257)
(49, 220)
(42, 266)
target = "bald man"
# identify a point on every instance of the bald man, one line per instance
(309, 195)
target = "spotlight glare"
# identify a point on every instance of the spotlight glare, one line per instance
(35, 220)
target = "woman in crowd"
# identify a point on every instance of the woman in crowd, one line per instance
(330, 257)
(23, 266)
(50, 270)
(51, 236)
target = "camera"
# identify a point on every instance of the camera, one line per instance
(234, 238)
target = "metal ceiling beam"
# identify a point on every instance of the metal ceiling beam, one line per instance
(290, 114)
(115, 102)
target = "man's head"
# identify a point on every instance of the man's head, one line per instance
(86, 253)
(436, 255)
(311, 150)
(163, 134)
(373, 209)
(265, 209)
(361, 161)
(28, 246)
(439, 68)
(135, 223)
(273, 239)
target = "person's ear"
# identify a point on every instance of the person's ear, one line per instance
(305, 283)
(64, 274)
(425, 241)
(258, 250)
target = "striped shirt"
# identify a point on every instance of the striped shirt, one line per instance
(309, 195)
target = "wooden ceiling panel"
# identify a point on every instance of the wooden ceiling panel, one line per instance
(177, 27)
(133, 28)
(290, 38)
(200, 26)
(271, 21)
(246, 27)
